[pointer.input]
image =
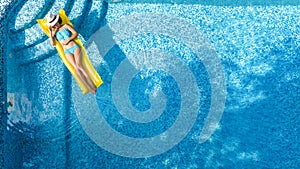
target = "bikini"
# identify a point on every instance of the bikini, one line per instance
(65, 34)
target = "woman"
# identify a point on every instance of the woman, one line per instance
(66, 34)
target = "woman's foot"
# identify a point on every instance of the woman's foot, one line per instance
(92, 88)
(93, 91)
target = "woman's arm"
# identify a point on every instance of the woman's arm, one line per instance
(73, 36)
(52, 35)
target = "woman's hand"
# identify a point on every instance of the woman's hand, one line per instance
(52, 35)
(65, 42)
(53, 31)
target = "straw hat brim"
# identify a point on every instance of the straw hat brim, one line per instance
(54, 21)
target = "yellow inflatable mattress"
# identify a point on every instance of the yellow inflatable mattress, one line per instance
(85, 60)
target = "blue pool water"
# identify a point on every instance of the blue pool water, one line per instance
(186, 85)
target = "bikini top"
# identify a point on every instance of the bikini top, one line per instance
(64, 34)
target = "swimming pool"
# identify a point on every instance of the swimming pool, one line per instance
(173, 74)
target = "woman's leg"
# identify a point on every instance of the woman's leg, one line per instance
(72, 60)
(78, 61)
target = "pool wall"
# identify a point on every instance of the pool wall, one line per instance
(3, 92)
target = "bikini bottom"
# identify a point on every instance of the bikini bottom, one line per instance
(71, 49)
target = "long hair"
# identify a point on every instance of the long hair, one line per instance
(59, 20)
